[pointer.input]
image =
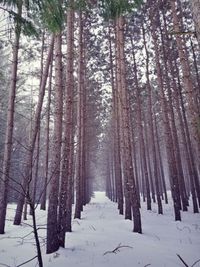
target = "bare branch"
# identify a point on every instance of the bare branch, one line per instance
(182, 260)
(195, 263)
(117, 249)
(27, 261)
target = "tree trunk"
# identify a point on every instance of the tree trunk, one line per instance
(119, 124)
(167, 63)
(141, 138)
(127, 152)
(52, 218)
(188, 86)
(193, 174)
(79, 173)
(65, 201)
(187, 80)
(4, 183)
(26, 180)
(152, 136)
(168, 135)
(116, 141)
(46, 167)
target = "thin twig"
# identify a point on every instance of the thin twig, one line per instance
(27, 224)
(117, 249)
(182, 260)
(26, 261)
(195, 263)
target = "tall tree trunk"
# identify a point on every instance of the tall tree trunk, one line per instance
(65, 201)
(116, 141)
(79, 173)
(187, 80)
(46, 166)
(52, 218)
(188, 86)
(119, 124)
(141, 137)
(4, 183)
(167, 63)
(127, 152)
(26, 180)
(173, 175)
(193, 174)
(159, 158)
(152, 136)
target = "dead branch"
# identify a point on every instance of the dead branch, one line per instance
(27, 224)
(41, 228)
(27, 261)
(17, 237)
(186, 263)
(182, 260)
(117, 249)
(195, 263)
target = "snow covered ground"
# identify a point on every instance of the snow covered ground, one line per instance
(100, 231)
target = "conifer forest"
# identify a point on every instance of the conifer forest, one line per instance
(100, 133)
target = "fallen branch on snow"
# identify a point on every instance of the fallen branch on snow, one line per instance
(186, 263)
(116, 250)
(27, 261)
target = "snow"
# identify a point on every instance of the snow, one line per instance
(100, 231)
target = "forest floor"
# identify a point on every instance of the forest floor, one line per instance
(101, 230)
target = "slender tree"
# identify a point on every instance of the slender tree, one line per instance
(65, 199)
(80, 126)
(125, 124)
(52, 218)
(168, 134)
(26, 179)
(4, 183)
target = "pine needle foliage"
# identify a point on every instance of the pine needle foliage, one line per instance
(52, 14)
(110, 9)
(23, 24)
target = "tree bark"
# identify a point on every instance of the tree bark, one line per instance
(116, 141)
(65, 200)
(79, 173)
(46, 167)
(4, 183)
(187, 80)
(26, 180)
(127, 153)
(52, 218)
(173, 175)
